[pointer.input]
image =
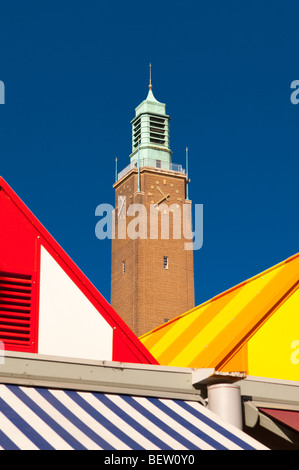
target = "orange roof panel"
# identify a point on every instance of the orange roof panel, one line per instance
(215, 333)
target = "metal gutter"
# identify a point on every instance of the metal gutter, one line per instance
(31, 369)
(266, 390)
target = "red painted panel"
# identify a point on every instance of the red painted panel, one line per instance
(19, 254)
(21, 235)
(18, 238)
(125, 351)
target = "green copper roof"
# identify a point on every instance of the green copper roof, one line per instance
(150, 137)
(150, 133)
(151, 105)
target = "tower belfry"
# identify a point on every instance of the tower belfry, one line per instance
(152, 278)
(150, 129)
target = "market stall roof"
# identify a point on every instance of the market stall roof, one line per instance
(228, 332)
(48, 306)
(58, 403)
(39, 418)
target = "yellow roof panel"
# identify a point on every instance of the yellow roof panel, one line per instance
(210, 335)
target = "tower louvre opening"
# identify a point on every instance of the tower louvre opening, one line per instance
(157, 130)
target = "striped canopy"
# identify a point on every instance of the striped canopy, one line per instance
(40, 418)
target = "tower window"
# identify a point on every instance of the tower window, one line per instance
(157, 130)
(165, 262)
(123, 267)
(158, 163)
(158, 120)
(137, 132)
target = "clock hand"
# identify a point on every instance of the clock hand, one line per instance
(163, 198)
(160, 191)
(159, 202)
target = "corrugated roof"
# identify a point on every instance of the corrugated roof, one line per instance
(211, 334)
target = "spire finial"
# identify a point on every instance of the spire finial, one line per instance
(116, 174)
(150, 80)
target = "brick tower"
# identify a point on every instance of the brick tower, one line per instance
(152, 277)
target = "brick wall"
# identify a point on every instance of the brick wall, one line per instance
(146, 294)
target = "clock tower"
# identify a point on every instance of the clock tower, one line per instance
(152, 278)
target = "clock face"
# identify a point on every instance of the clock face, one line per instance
(163, 194)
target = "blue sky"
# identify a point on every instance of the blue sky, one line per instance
(74, 73)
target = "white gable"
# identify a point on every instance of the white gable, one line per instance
(69, 325)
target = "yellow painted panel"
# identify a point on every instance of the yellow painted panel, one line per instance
(152, 338)
(176, 337)
(204, 335)
(274, 349)
(174, 332)
(219, 322)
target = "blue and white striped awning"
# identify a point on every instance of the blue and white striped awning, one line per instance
(40, 418)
